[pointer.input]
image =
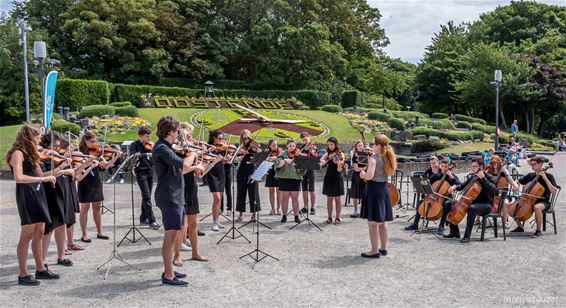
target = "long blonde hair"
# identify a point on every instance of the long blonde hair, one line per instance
(387, 154)
(25, 142)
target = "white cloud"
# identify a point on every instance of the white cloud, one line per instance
(410, 24)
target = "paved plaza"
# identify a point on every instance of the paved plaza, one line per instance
(316, 268)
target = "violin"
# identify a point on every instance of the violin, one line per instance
(148, 146)
(106, 152)
(531, 193)
(273, 156)
(223, 146)
(296, 152)
(52, 155)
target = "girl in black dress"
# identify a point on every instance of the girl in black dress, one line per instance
(56, 202)
(216, 177)
(270, 181)
(80, 170)
(190, 222)
(24, 162)
(376, 204)
(333, 183)
(90, 190)
(248, 147)
(359, 162)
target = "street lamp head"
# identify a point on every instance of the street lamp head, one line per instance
(39, 50)
(498, 76)
(54, 62)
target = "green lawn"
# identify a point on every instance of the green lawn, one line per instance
(467, 147)
(7, 136)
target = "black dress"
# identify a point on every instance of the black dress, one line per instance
(30, 198)
(333, 183)
(376, 203)
(90, 188)
(70, 198)
(216, 178)
(270, 180)
(246, 187)
(357, 186)
(55, 200)
(191, 194)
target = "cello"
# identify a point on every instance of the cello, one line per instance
(501, 181)
(432, 207)
(469, 194)
(531, 193)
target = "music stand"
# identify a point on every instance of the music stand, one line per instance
(114, 254)
(128, 165)
(307, 163)
(257, 176)
(233, 229)
(422, 186)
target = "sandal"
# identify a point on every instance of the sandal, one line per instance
(178, 263)
(75, 246)
(337, 221)
(239, 219)
(67, 252)
(328, 221)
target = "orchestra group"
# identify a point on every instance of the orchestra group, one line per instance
(56, 179)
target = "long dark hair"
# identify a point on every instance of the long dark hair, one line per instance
(25, 142)
(335, 141)
(213, 135)
(46, 140)
(88, 135)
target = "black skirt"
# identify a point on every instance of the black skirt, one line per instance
(289, 185)
(357, 186)
(90, 188)
(376, 203)
(31, 200)
(71, 201)
(270, 180)
(55, 204)
(333, 183)
(191, 194)
(216, 178)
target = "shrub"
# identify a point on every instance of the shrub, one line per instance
(96, 110)
(429, 145)
(476, 134)
(77, 93)
(396, 123)
(438, 124)
(461, 117)
(458, 135)
(464, 124)
(488, 129)
(137, 93)
(526, 138)
(428, 132)
(353, 98)
(380, 116)
(331, 108)
(120, 104)
(409, 115)
(440, 115)
(64, 126)
(126, 111)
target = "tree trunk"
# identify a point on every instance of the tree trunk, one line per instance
(527, 120)
(533, 120)
(502, 115)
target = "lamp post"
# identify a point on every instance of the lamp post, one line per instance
(23, 42)
(498, 77)
(42, 64)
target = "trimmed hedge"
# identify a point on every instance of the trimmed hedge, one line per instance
(464, 124)
(446, 134)
(331, 108)
(126, 111)
(96, 110)
(477, 135)
(77, 93)
(396, 123)
(429, 145)
(64, 126)
(438, 124)
(120, 104)
(488, 129)
(440, 115)
(137, 94)
(408, 115)
(461, 117)
(353, 98)
(380, 116)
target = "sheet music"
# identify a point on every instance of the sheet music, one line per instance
(261, 171)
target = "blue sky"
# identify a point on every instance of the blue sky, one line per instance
(410, 24)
